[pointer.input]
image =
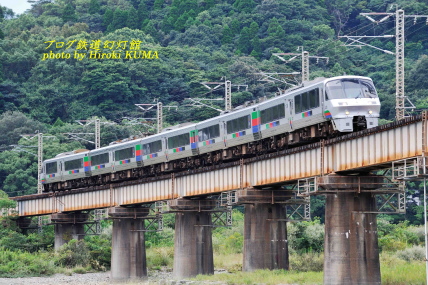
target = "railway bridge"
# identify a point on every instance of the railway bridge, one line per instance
(340, 168)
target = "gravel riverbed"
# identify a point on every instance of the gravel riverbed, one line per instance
(99, 278)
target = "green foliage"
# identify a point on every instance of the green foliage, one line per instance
(306, 236)
(158, 257)
(94, 7)
(11, 239)
(69, 13)
(230, 240)
(5, 202)
(393, 237)
(14, 124)
(23, 264)
(74, 253)
(310, 261)
(100, 251)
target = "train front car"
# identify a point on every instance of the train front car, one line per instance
(352, 103)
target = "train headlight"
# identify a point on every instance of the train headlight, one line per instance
(346, 112)
(370, 112)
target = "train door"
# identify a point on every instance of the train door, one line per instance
(290, 113)
(60, 170)
(223, 132)
(165, 147)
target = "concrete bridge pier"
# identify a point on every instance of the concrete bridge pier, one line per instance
(128, 250)
(351, 253)
(68, 226)
(265, 229)
(193, 250)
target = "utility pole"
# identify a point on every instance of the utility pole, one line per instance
(227, 92)
(305, 60)
(39, 162)
(400, 98)
(159, 112)
(39, 156)
(97, 134)
(97, 141)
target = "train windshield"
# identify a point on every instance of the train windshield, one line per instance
(350, 88)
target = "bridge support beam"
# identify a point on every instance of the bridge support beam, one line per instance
(265, 229)
(68, 227)
(128, 250)
(193, 250)
(351, 253)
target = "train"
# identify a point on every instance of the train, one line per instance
(317, 109)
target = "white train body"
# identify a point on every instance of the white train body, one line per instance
(348, 103)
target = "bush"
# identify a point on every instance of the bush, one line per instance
(23, 264)
(306, 236)
(310, 261)
(412, 253)
(99, 251)
(72, 254)
(159, 257)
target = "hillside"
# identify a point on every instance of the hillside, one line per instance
(69, 60)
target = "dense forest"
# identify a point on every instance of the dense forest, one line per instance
(53, 71)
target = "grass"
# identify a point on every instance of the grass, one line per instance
(395, 271)
(265, 277)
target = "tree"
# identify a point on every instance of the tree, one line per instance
(254, 28)
(244, 42)
(235, 26)
(14, 124)
(108, 18)
(69, 13)
(244, 5)
(94, 7)
(142, 12)
(227, 35)
(132, 21)
(257, 47)
(158, 4)
(119, 21)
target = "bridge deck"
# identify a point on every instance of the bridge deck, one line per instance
(356, 152)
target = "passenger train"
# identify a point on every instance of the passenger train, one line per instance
(317, 109)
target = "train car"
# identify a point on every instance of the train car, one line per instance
(153, 150)
(123, 155)
(351, 102)
(210, 135)
(101, 160)
(238, 126)
(177, 142)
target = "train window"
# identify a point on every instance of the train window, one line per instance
(73, 164)
(368, 89)
(273, 113)
(350, 88)
(334, 90)
(305, 101)
(100, 159)
(314, 99)
(124, 153)
(238, 124)
(51, 167)
(152, 147)
(209, 133)
(180, 140)
(297, 104)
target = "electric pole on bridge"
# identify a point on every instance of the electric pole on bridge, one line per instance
(305, 60)
(40, 137)
(159, 112)
(400, 98)
(227, 93)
